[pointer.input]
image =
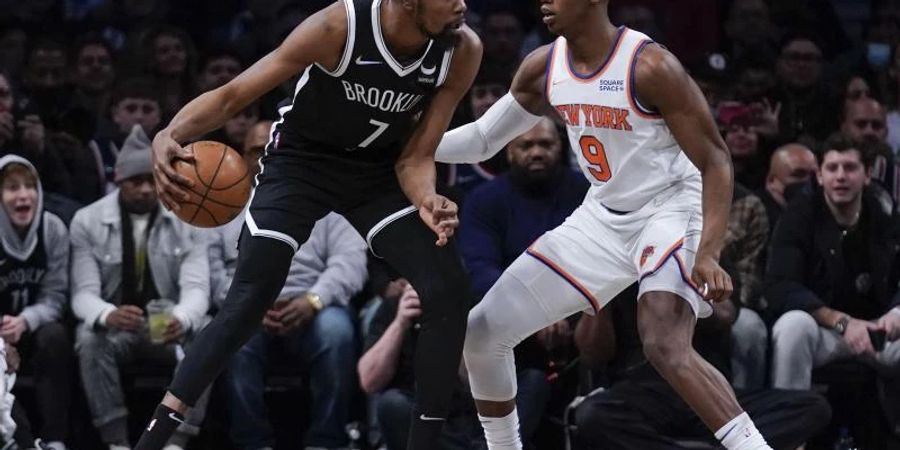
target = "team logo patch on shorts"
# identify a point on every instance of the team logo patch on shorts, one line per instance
(648, 252)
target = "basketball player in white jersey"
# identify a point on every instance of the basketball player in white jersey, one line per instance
(656, 213)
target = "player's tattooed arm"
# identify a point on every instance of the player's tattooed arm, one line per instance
(662, 83)
(319, 39)
(415, 166)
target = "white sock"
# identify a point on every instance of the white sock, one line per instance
(741, 434)
(502, 433)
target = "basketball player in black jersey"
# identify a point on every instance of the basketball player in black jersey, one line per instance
(380, 80)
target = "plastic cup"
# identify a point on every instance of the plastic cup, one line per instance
(159, 316)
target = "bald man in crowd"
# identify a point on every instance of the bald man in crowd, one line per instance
(791, 167)
(865, 120)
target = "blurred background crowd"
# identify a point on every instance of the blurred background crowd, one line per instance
(806, 94)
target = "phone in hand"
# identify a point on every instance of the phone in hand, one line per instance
(878, 338)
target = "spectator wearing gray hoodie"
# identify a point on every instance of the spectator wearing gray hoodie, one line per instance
(34, 278)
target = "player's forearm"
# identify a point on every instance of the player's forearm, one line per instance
(484, 138)
(377, 366)
(718, 187)
(202, 115)
(417, 176)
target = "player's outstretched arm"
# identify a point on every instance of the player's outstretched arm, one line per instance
(662, 83)
(512, 115)
(319, 39)
(415, 166)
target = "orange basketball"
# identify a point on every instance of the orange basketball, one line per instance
(221, 184)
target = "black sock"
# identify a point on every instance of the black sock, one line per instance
(165, 421)
(424, 433)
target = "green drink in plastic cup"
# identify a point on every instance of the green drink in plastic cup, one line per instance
(159, 315)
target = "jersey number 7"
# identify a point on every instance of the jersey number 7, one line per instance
(595, 154)
(381, 127)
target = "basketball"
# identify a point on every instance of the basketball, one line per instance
(221, 184)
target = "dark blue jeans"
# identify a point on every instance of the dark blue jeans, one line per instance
(327, 351)
(393, 409)
(531, 401)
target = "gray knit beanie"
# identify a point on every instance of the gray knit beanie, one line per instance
(135, 157)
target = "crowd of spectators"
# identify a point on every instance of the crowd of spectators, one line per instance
(806, 94)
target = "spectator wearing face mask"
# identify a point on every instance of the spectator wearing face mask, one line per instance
(791, 168)
(893, 116)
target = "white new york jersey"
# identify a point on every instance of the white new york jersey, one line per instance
(625, 150)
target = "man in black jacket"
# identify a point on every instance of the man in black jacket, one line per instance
(833, 268)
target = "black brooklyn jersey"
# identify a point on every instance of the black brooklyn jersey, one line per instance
(20, 281)
(371, 101)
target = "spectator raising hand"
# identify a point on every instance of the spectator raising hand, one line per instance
(32, 133)
(408, 307)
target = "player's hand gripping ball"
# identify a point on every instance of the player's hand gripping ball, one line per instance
(221, 184)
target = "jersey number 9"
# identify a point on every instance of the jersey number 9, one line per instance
(595, 154)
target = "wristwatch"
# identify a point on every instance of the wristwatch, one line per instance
(314, 300)
(841, 325)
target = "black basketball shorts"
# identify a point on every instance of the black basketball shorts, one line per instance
(302, 182)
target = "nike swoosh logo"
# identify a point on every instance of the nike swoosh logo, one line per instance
(729, 431)
(428, 71)
(175, 418)
(362, 62)
(424, 417)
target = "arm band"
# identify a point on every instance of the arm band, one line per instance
(482, 139)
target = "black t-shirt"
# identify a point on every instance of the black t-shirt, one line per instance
(854, 294)
(404, 376)
(20, 281)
